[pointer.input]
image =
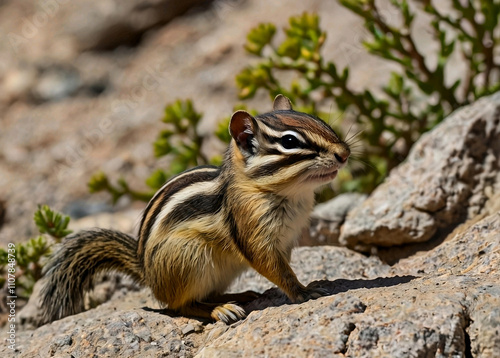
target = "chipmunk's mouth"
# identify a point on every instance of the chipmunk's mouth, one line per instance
(323, 177)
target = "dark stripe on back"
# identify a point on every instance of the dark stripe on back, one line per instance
(195, 207)
(190, 209)
(167, 192)
(272, 168)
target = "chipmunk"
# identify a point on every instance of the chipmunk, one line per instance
(207, 225)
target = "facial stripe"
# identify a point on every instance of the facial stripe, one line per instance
(274, 142)
(317, 135)
(311, 124)
(273, 167)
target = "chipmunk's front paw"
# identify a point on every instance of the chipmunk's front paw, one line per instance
(228, 313)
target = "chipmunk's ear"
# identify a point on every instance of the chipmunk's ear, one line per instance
(242, 128)
(282, 103)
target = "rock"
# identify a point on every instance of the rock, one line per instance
(114, 23)
(327, 219)
(441, 313)
(56, 83)
(107, 287)
(444, 302)
(113, 331)
(443, 182)
(336, 209)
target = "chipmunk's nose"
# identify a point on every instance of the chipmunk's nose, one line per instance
(342, 153)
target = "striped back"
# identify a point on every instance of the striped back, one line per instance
(182, 198)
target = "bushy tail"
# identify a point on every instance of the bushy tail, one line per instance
(71, 271)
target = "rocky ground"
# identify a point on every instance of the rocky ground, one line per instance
(77, 98)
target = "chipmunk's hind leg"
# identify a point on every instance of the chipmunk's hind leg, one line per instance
(225, 312)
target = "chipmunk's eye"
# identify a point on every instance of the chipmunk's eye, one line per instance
(290, 142)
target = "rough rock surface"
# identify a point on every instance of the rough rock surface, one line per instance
(327, 220)
(447, 178)
(442, 303)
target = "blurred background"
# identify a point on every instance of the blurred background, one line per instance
(84, 85)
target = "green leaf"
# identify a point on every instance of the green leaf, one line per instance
(162, 146)
(259, 37)
(395, 86)
(181, 114)
(51, 222)
(222, 131)
(407, 14)
(304, 38)
(157, 179)
(252, 78)
(291, 47)
(98, 182)
(345, 74)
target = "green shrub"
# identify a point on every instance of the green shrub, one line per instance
(416, 98)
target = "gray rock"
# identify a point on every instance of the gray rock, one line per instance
(328, 218)
(443, 182)
(57, 83)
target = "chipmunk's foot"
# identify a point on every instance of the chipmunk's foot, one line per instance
(225, 312)
(228, 313)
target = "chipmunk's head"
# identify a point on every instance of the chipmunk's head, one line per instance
(286, 149)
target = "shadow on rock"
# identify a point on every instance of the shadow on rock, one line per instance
(275, 297)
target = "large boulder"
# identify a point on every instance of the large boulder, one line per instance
(448, 177)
